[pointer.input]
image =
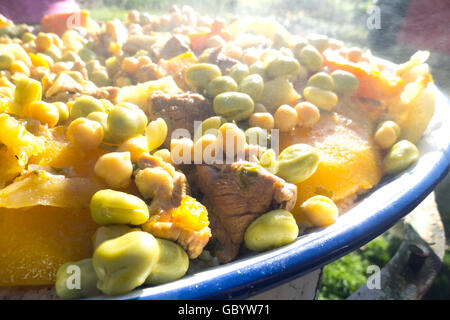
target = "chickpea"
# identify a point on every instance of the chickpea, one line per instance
(307, 114)
(234, 52)
(263, 120)
(46, 113)
(285, 118)
(85, 133)
(115, 168)
(154, 182)
(181, 150)
(144, 61)
(130, 64)
(164, 154)
(249, 57)
(133, 16)
(205, 149)
(320, 211)
(387, 134)
(259, 108)
(215, 41)
(43, 41)
(231, 139)
(136, 146)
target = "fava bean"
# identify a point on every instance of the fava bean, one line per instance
(283, 66)
(321, 80)
(297, 163)
(85, 105)
(200, 74)
(239, 71)
(124, 263)
(114, 207)
(345, 82)
(219, 85)
(311, 58)
(320, 211)
(323, 99)
(233, 105)
(105, 233)
(400, 157)
(126, 120)
(172, 264)
(271, 230)
(253, 85)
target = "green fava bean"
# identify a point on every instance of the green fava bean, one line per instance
(400, 157)
(321, 80)
(283, 66)
(86, 54)
(235, 106)
(271, 230)
(115, 207)
(172, 264)
(62, 110)
(298, 46)
(105, 233)
(323, 99)
(239, 71)
(297, 163)
(100, 78)
(100, 117)
(200, 74)
(321, 42)
(219, 85)
(257, 68)
(124, 263)
(126, 120)
(253, 85)
(209, 125)
(277, 92)
(345, 82)
(6, 59)
(85, 105)
(311, 58)
(76, 280)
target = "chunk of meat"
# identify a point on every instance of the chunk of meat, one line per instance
(235, 195)
(174, 46)
(179, 110)
(217, 57)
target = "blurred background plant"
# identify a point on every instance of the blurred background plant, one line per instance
(345, 20)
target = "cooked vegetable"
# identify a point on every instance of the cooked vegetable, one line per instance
(239, 71)
(277, 92)
(115, 207)
(233, 105)
(387, 134)
(297, 163)
(6, 59)
(271, 230)
(123, 263)
(115, 168)
(156, 133)
(85, 133)
(269, 161)
(323, 99)
(311, 58)
(85, 105)
(231, 139)
(307, 114)
(283, 66)
(321, 80)
(172, 263)
(257, 68)
(75, 280)
(257, 136)
(199, 75)
(109, 232)
(154, 182)
(345, 82)
(219, 85)
(126, 120)
(400, 157)
(100, 117)
(262, 119)
(135, 146)
(27, 91)
(63, 111)
(285, 118)
(253, 85)
(320, 41)
(320, 211)
(46, 113)
(209, 125)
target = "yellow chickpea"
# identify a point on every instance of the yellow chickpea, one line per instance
(46, 113)
(130, 64)
(85, 133)
(231, 140)
(234, 52)
(249, 57)
(115, 168)
(43, 41)
(387, 134)
(144, 61)
(263, 120)
(133, 16)
(259, 107)
(285, 118)
(181, 150)
(320, 211)
(205, 149)
(307, 114)
(135, 146)
(354, 54)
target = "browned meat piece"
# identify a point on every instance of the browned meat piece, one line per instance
(174, 46)
(139, 42)
(235, 195)
(221, 60)
(179, 110)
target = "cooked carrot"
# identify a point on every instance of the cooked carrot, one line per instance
(60, 22)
